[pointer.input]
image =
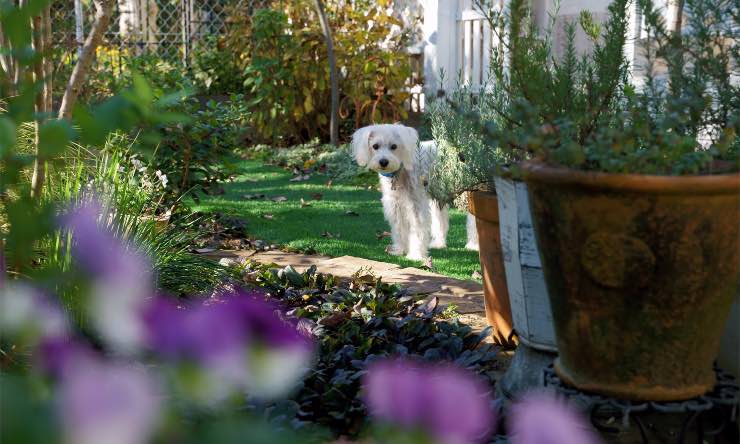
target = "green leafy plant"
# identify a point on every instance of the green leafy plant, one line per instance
(282, 54)
(196, 155)
(583, 111)
(356, 323)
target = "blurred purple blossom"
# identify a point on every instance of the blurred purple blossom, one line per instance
(24, 310)
(121, 277)
(57, 354)
(239, 340)
(451, 403)
(541, 418)
(105, 403)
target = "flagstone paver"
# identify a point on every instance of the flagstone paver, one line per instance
(466, 295)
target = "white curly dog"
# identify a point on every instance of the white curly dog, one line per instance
(417, 221)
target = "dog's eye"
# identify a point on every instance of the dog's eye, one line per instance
(376, 146)
(394, 146)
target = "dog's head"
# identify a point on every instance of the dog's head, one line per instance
(385, 148)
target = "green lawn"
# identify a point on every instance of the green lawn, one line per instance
(324, 226)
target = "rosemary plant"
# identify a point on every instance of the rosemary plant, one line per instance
(671, 111)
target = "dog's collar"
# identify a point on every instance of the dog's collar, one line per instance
(393, 174)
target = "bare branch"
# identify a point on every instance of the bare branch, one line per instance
(103, 9)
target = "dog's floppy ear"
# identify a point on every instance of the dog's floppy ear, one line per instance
(410, 139)
(360, 147)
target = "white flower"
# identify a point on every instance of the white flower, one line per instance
(139, 165)
(162, 178)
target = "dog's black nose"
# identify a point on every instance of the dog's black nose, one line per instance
(383, 162)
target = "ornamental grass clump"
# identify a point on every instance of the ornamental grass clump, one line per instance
(674, 111)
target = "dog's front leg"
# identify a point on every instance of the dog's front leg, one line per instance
(419, 225)
(399, 230)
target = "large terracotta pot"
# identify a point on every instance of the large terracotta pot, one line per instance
(641, 272)
(484, 207)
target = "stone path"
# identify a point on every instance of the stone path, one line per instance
(466, 295)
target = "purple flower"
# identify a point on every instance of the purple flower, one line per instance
(25, 311)
(57, 354)
(239, 341)
(451, 403)
(121, 278)
(541, 418)
(105, 403)
(199, 332)
(94, 246)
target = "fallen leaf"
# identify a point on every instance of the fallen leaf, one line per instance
(334, 318)
(382, 234)
(253, 196)
(428, 264)
(267, 216)
(304, 203)
(351, 213)
(428, 308)
(329, 183)
(476, 275)
(279, 199)
(301, 178)
(317, 196)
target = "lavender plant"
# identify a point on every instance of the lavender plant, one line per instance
(675, 112)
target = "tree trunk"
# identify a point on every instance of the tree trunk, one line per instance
(334, 124)
(678, 21)
(103, 9)
(42, 105)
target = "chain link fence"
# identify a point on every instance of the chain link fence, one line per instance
(167, 28)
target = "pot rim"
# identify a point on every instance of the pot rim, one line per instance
(538, 171)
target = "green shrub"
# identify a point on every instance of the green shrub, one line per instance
(583, 111)
(198, 154)
(113, 71)
(283, 56)
(214, 68)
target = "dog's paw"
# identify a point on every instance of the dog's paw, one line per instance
(394, 250)
(438, 244)
(472, 246)
(416, 256)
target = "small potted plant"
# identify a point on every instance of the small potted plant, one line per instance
(468, 185)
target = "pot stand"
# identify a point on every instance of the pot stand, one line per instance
(525, 371)
(705, 417)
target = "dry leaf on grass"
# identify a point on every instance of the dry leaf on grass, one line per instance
(301, 178)
(253, 196)
(329, 183)
(267, 216)
(329, 235)
(279, 199)
(476, 275)
(382, 234)
(428, 265)
(304, 203)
